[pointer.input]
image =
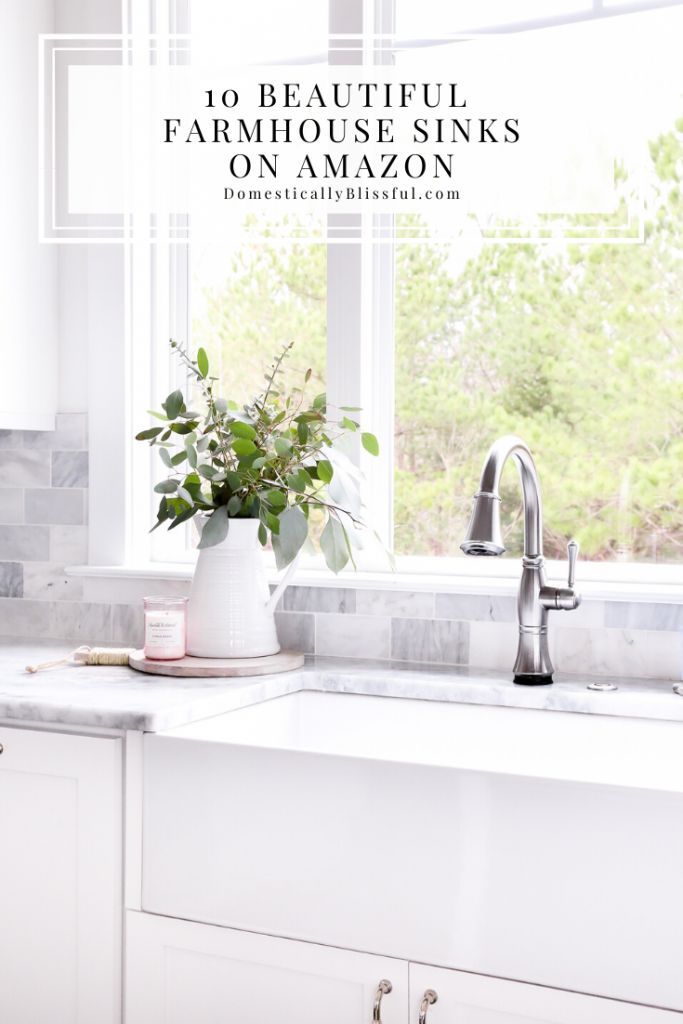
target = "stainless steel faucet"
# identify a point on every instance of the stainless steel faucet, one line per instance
(533, 665)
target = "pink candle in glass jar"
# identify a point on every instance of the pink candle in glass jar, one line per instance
(165, 627)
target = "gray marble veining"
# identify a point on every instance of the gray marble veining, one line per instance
(430, 640)
(69, 469)
(71, 432)
(118, 698)
(296, 630)
(476, 607)
(68, 544)
(48, 581)
(405, 604)
(85, 622)
(319, 599)
(25, 468)
(11, 579)
(629, 615)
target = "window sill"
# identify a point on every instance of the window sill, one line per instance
(647, 590)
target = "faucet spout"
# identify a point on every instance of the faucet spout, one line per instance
(484, 525)
(484, 537)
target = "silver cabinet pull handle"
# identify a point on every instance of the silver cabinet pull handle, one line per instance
(428, 999)
(383, 989)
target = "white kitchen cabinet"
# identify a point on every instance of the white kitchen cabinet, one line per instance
(60, 878)
(29, 299)
(475, 999)
(178, 971)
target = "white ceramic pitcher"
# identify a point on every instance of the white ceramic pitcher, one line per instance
(230, 610)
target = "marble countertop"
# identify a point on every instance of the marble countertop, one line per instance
(119, 698)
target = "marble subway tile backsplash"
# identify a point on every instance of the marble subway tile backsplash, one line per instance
(43, 529)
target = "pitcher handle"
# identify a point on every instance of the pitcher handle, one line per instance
(283, 583)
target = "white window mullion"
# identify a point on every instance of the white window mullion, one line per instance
(360, 292)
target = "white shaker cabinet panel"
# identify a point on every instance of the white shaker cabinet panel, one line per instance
(178, 971)
(60, 878)
(475, 999)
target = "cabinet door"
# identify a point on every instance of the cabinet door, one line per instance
(475, 999)
(60, 878)
(178, 971)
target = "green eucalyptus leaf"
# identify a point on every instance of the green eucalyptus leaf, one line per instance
(271, 521)
(174, 404)
(185, 495)
(302, 431)
(325, 471)
(183, 517)
(334, 544)
(203, 443)
(163, 514)
(166, 487)
(293, 533)
(297, 482)
(275, 498)
(191, 453)
(370, 443)
(221, 406)
(234, 505)
(177, 459)
(240, 429)
(183, 428)
(215, 529)
(320, 401)
(262, 535)
(147, 435)
(203, 362)
(283, 447)
(233, 480)
(208, 472)
(165, 457)
(243, 447)
(348, 424)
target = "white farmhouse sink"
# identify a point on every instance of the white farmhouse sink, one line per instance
(488, 839)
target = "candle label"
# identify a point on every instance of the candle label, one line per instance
(164, 633)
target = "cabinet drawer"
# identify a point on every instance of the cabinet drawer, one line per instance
(179, 971)
(474, 999)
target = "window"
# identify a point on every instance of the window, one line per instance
(576, 347)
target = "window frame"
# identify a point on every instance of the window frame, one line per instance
(148, 292)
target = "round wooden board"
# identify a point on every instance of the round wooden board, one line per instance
(283, 661)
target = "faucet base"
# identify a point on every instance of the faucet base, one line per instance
(534, 679)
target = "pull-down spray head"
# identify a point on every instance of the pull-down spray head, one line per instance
(484, 535)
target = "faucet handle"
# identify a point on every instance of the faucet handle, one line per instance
(564, 598)
(572, 556)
